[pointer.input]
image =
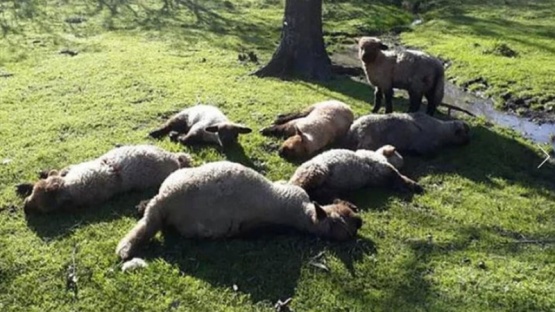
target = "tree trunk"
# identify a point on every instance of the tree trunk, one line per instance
(301, 51)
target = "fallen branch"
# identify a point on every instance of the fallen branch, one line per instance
(452, 107)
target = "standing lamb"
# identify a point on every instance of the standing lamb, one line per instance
(120, 170)
(201, 124)
(415, 133)
(225, 199)
(338, 170)
(417, 72)
(311, 129)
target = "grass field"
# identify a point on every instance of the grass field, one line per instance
(472, 242)
(502, 48)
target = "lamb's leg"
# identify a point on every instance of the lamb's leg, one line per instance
(430, 97)
(177, 125)
(285, 130)
(415, 99)
(284, 118)
(378, 97)
(143, 231)
(389, 101)
(402, 183)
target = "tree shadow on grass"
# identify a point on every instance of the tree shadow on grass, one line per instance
(267, 267)
(60, 224)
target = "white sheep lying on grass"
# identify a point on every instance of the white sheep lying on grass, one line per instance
(120, 170)
(312, 129)
(224, 199)
(415, 71)
(201, 124)
(339, 170)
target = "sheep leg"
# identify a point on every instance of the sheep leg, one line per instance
(402, 183)
(430, 97)
(415, 99)
(285, 130)
(171, 125)
(378, 97)
(143, 231)
(389, 101)
(284, 118)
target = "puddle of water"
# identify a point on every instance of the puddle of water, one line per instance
(484, 107)
(478, 106)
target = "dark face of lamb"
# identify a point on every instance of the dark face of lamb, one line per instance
(369, 48)
(461, 133)
(45, 196)
(338, 221)
(228, 133)
(294, 147)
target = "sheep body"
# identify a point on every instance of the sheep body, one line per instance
(415, 133)
(415, 71)
(201, 123)
(223, 199)
(339, 170)
(119, 170)
(309, 131)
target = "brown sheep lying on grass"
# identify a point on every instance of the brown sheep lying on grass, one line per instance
(120, 170)
(201, 124)
(225, 199)
(415, 133)
(312, 129)
(339, 170)
(417, 72)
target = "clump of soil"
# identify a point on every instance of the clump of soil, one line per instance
(501, 49)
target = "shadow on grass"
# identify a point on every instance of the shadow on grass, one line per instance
(57, 225)
(267, 267)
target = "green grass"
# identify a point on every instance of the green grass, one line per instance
(139, 64)
(474, 34)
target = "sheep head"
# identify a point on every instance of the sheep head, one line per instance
(228, 132)
(460, 132)
(393, 157)
(295, 147)
(338, 221)
(46, 196)
(370, 48)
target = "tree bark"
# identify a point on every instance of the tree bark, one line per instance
(301, 51)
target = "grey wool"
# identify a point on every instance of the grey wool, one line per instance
(201, 124)
(413, 133)
(122, 169)
(225, 199)
(337, 171)
(420, 74)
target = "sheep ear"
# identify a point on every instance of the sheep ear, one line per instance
(388, 150)
(320, 212)
(299, 133)
(54, 185)
(53, 173)
(383, 46)
(242, 129)
(212, 129)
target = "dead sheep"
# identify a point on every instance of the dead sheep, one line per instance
(336, 171)
(122, 169)
(226, 199)
(201, 124)
(415, 71)
(415, 133)
(312, 129)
